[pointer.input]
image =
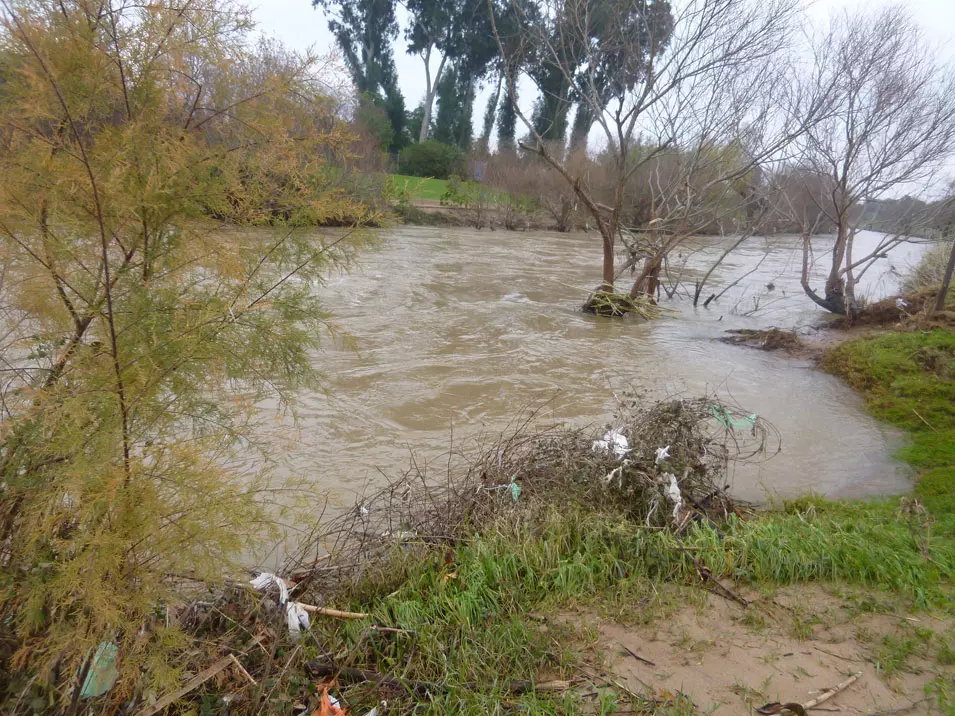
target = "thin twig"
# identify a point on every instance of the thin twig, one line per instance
(636, 656)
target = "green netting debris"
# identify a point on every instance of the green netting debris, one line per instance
(723, 414)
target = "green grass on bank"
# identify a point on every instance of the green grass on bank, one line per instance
(418, 189)
(908, 380)
(481, 616)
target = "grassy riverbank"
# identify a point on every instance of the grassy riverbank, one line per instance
(908, 380)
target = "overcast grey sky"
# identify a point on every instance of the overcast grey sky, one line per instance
(300, 26)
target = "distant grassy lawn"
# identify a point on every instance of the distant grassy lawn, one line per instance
(420, 189)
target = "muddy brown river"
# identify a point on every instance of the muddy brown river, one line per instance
(464, 329)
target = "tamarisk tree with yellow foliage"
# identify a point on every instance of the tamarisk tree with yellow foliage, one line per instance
(140, 321)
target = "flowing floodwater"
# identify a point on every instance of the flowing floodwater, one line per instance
(464, 329)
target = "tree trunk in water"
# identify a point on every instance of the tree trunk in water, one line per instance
(608, 263)
(834, 301)
(649, 278)
(946, 282)
(840, 296)
(602, 301)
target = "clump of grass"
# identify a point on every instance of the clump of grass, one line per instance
(945, 653)
(814, 540)
(894, 653)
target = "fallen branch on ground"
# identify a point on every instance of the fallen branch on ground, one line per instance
(801, 709)
(339, 614)
(636, 656)
(719, 589)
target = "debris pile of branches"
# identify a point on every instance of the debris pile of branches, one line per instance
(915, 310)
(662, 465)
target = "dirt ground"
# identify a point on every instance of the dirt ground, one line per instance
(789, 647)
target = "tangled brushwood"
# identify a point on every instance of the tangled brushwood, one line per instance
(613, 304)
(662, 465)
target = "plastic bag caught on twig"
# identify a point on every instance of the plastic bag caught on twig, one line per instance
(613, 441)
(296, 617)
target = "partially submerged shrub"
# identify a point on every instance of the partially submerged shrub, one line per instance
(610, 303)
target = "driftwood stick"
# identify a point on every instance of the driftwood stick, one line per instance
(246, 674)
(829, 693)
(718, 587)
(328, 612)
(636, 656)
(339, 614)
(803, 709)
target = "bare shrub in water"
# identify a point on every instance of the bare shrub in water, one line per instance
(889, 122)
(686, 96)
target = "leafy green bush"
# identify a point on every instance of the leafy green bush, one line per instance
(431, 159)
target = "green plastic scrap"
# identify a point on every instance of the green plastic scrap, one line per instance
(515, 491)
(724, 416)
(511, 487)
(102, 672)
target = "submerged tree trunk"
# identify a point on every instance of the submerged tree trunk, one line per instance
(601, 301)
(607, 259)
(648, 281)
(839, 295)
